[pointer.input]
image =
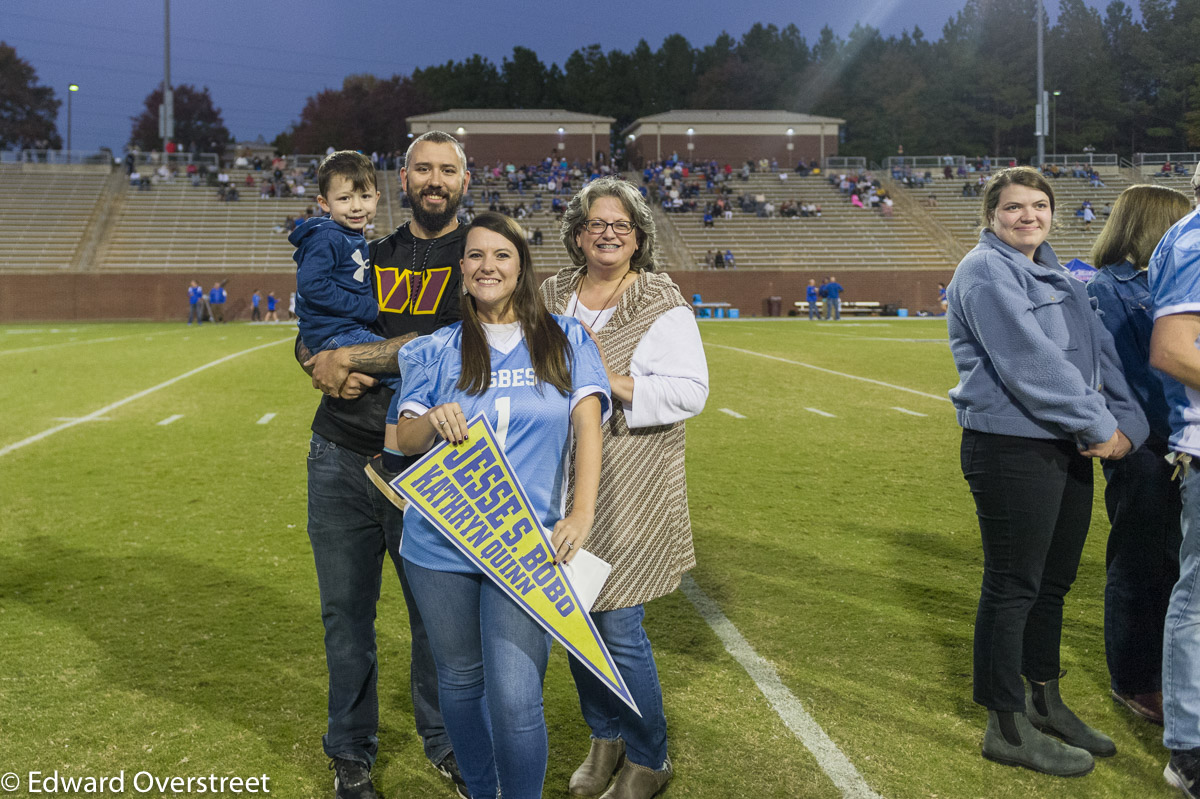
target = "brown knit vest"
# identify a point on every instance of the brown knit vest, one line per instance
(642, 525)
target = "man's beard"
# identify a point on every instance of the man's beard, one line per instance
(434, 221)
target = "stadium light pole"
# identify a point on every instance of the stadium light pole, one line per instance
(166, 111)
(1054, 120)
(71, 89)
(1041, 89)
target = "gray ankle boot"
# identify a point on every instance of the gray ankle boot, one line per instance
(1059, 720)
(604, 758)
(1036, 751)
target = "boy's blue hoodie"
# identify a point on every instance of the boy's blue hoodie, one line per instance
(333, 287)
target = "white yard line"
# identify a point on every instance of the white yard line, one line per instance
(831, 372)
(734, 414)
(145, 392)
(175, 417)
(829, 757)
(906, 410)
(267, 417)
(826, 414)
(77, 342)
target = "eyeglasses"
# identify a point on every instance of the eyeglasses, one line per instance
(622, 227)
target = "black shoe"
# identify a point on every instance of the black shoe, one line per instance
(1183, 771)
(352, 779)
(448, 768)
(382, 478)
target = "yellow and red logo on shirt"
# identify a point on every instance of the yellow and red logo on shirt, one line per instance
(417, 293)
(471, 494)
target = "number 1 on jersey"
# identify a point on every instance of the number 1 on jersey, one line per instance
(502, 412)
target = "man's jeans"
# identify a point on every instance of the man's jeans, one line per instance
(350, 525)
(1181, 638)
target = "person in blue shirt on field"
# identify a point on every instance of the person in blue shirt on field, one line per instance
(255, 307)
(195, 292)
(216, 301)
(1142, 561)
(812, 294)
(271, 301)
(833, 305)
(1174, 276)
(541, 382)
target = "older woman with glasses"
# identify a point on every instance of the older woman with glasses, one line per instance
(659, 377)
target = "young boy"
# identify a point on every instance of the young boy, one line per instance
(334, 299)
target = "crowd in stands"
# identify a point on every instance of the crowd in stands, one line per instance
(719, 260)
(709, 188)
(1079, 170)
(863, 190)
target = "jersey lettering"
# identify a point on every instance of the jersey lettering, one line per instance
(393, 290)
(514, 378)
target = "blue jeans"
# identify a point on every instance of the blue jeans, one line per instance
(350, 526)
(813, 310)
(610, 718)
(1142, 565)
(491, 660)
(1181, 638)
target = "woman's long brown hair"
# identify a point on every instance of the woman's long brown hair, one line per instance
(549, 349)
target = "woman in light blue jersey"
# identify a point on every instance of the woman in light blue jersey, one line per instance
(541, 382)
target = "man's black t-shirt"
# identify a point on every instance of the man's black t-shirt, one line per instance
(418, 285)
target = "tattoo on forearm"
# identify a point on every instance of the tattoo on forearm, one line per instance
(379, 356)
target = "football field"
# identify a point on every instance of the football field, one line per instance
(159, 612)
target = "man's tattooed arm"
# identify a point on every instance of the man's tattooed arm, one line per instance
(331, 368)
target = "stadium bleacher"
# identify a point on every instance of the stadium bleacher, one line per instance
(91, 223)
(45, 211)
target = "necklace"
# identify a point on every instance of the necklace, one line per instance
(417, 275)
(603, 307)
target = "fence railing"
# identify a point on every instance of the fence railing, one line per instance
(1091, 159)
(56, 157)
(930, 162)
(1146, 159)
(174, 159)
(849, 162)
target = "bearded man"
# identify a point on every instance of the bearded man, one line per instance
(415, 275)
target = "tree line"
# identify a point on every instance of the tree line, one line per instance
(1124, 85)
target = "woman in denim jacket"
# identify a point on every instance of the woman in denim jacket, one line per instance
(1040, 392)
(1143, 503)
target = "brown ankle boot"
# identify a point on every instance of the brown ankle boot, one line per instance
(602, 761)
(639, 782)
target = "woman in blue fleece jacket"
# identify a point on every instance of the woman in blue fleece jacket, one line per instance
(1040, 392)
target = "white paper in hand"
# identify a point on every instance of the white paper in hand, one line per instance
(587, 574)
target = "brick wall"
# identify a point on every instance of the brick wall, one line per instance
(163, 297)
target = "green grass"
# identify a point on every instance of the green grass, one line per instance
(159, 609)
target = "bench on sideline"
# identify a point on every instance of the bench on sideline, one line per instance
(848, 307)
